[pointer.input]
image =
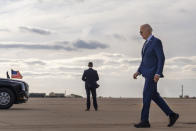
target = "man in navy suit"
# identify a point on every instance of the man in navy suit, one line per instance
(151, 68)
(91, 77)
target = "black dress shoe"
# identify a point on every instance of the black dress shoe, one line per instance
(142, 125)
(87, 109)
(172, 119)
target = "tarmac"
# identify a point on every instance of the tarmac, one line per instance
(114, 114)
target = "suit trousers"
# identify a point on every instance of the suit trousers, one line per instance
(94, 95)
(150, 93)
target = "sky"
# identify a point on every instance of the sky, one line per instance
(51, 42)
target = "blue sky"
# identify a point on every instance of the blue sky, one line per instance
(51, 42)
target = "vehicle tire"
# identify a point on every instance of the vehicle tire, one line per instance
(6, 98)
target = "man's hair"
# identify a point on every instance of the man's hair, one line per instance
(90, 64)
(147, 26)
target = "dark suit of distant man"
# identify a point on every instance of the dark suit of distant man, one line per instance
(151, 68)
(91, 77)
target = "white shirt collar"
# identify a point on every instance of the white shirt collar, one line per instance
(149, 37)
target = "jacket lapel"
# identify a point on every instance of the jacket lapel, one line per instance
(148, 44)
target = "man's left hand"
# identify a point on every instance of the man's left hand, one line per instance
(156, 78)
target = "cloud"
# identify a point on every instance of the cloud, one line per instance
(135, 61)
(5, 60)
(181, 61)
(70, 68)
(180, 68)
(189, 68)
(62, 42)
(60, 45)
(104, 62)
(182, 10)
(36, 74)
(194, 69)
(4, 30)
(35, 47)
(36, 62)
(89, 44)
(120, 37)
(35, 30)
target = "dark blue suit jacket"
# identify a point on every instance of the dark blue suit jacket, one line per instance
(90, 77)
(153, 59)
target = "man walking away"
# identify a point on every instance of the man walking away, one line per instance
(91, 77)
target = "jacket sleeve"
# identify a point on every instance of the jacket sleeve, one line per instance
(97, 76)
(84, 76)
(139, 69)
(160, 56)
